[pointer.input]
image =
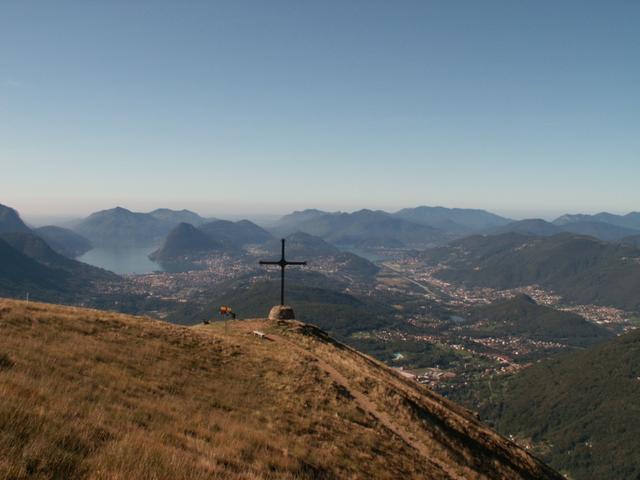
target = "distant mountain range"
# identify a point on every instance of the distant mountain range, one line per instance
(539, 227)
(580, 409)
(302, 245)
(367, 229)
(186, 243)
(408, 228)
(119, 227)
(630, 220)
(446, 221)
(174, 217)
(428, 226)
(364, 227)
(453, 220)
(582, 269)
(605, 226)
(290, 223)
(531, 226)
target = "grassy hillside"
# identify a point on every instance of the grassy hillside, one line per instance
(582, 409)
(89, 394)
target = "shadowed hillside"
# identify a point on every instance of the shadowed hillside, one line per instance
(633, 240)
(64, 241)
(21, 274)
(582, 409)
(36, 248)
(184, 240)
(89, 394)
(581, 269)
(10, 221)
(522, 316)
(234, 235)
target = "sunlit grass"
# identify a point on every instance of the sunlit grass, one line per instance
(99, 395)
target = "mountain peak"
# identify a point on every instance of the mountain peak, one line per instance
(184, 240)
(10, 221)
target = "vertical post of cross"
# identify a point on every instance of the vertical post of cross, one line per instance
(282, 263)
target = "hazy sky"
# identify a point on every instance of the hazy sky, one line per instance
(521, 107)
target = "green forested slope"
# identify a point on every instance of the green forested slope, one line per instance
(581, 410)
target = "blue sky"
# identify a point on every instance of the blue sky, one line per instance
(521, 107)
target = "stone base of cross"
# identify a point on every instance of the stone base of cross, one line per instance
(282, 312)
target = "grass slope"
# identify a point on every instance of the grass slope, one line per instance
(89, 394)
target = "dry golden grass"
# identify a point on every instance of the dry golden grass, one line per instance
(98, 395)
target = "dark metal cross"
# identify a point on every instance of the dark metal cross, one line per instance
(283, 263)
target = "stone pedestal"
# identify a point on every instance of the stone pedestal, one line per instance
(282, 312)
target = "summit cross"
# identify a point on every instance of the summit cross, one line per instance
(283, 264)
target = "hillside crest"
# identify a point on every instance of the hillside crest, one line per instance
(151, 399)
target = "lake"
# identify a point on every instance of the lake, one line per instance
(122, 260)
